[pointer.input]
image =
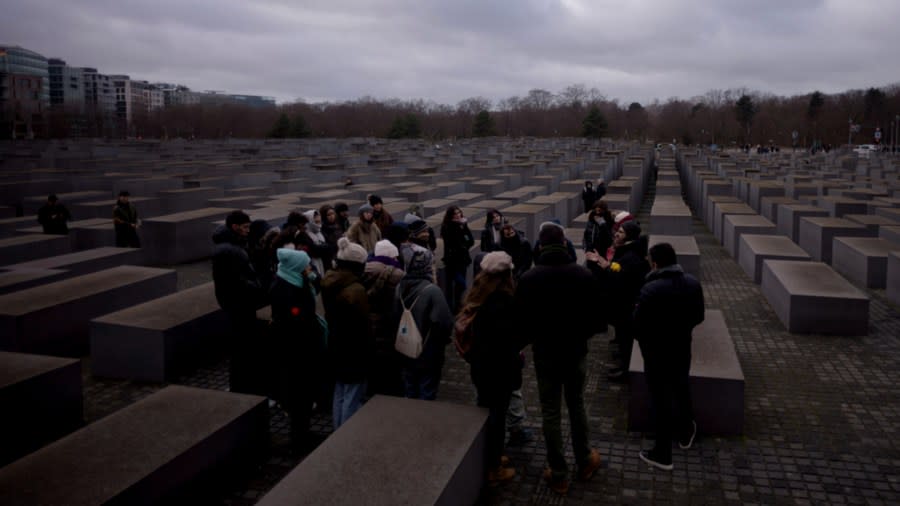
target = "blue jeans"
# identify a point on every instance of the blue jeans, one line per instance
(348, 398)
(515, 415)
(422, 378)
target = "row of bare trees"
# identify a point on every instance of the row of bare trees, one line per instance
(719, 116)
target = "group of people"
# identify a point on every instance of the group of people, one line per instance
(54, 217)
(368, 273)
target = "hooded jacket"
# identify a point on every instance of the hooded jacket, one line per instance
(431, 313)
(668, 307)
(551, 303)
(597, 236)
(351, 346)
(237, 285)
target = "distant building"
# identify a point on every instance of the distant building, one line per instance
(24, 93)
(66, 86)
(222, 98)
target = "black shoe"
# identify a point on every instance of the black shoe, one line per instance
(685, 444)
(648, 457)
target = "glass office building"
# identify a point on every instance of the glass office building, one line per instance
(18, 60)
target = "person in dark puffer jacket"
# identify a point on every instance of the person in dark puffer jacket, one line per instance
(239, 295)
(668, 308)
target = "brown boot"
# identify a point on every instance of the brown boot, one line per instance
(500, 474)
(590, 466)
(504, 461)
(560, 486)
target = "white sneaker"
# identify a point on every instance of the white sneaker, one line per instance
(690, 442)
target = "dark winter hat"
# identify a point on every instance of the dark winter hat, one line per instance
(124, 193)
(397, 232)
(417, 227)
(632, 230)
(365, 208)
(236, 218)
(341, 207)
(551, 234)
(52, 197)
(375, 199)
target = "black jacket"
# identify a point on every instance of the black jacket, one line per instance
(494, 356)
(622, 287)
(298, 341)
(53, 219)
(669, 306)
(237, 285)
(457, 242)
(487, 240)
(520, 250)
(588, 197)
(597, 236)
(552, 304)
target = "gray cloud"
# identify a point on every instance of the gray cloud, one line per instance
(448, 51)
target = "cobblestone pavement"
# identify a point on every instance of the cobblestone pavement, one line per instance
(821, 414)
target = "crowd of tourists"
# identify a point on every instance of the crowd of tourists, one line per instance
(357, 309)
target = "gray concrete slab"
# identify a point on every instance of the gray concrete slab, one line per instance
(811, 298)
(53, 318)
(20, 279)
(816, 235)
(736, 225)
(789, 218)
(755, 249)
(716, 382)
(23, 248)
(181, 237)
(41, 400)
(723, 209)
(892, 290)
(160, 338)
(83, 262)
(144, 453)
(862, 260)
(369, 459)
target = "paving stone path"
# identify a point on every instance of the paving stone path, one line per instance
(821, 419)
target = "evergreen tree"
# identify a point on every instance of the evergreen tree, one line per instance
(745, 110)
(298, 128)
(405, 127)
(282, 127)
(484, 125)
(594, 124)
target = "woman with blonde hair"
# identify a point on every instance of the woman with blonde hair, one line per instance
(486, 339)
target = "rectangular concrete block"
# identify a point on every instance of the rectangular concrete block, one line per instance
(738, 224)
(41, 400)
(181, 237)
(716, 382)
(789, 218)
(83, 262)
(23, 248)
(811, 298)
(369, 459)
(862, 260)
(755, 249)
(158, 339)
(720, 211)
(145, 453)
(816, 235)
(893, 277)
(53, 318)
(21, 279)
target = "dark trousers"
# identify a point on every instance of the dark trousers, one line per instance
(421, 378)
(625, 339)
(555, 382)
(496, 400)
(247, 371)
(454, 286)
(667, 373)
(127, 237)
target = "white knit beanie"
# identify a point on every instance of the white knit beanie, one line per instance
(385, 248)
(496, 261)
(351, 252)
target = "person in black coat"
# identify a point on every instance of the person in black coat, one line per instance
(458, 240)
(668, 308)
(621, 278)
(491, 347)
(490, 236)
(239, 295)
(598, 231)
(299, 343)
(588, 195)
(517, 246)
(53, 216)
(551, 303)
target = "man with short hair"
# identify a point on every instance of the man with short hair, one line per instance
(239, 294)
(669, 306)
(53, 216)
(125, 222)
(550, 304)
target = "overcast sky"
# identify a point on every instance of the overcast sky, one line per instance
(449, 50)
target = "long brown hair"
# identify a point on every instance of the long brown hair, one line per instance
(487, 283)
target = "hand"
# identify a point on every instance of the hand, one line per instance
(592, 256)
(604, 263)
